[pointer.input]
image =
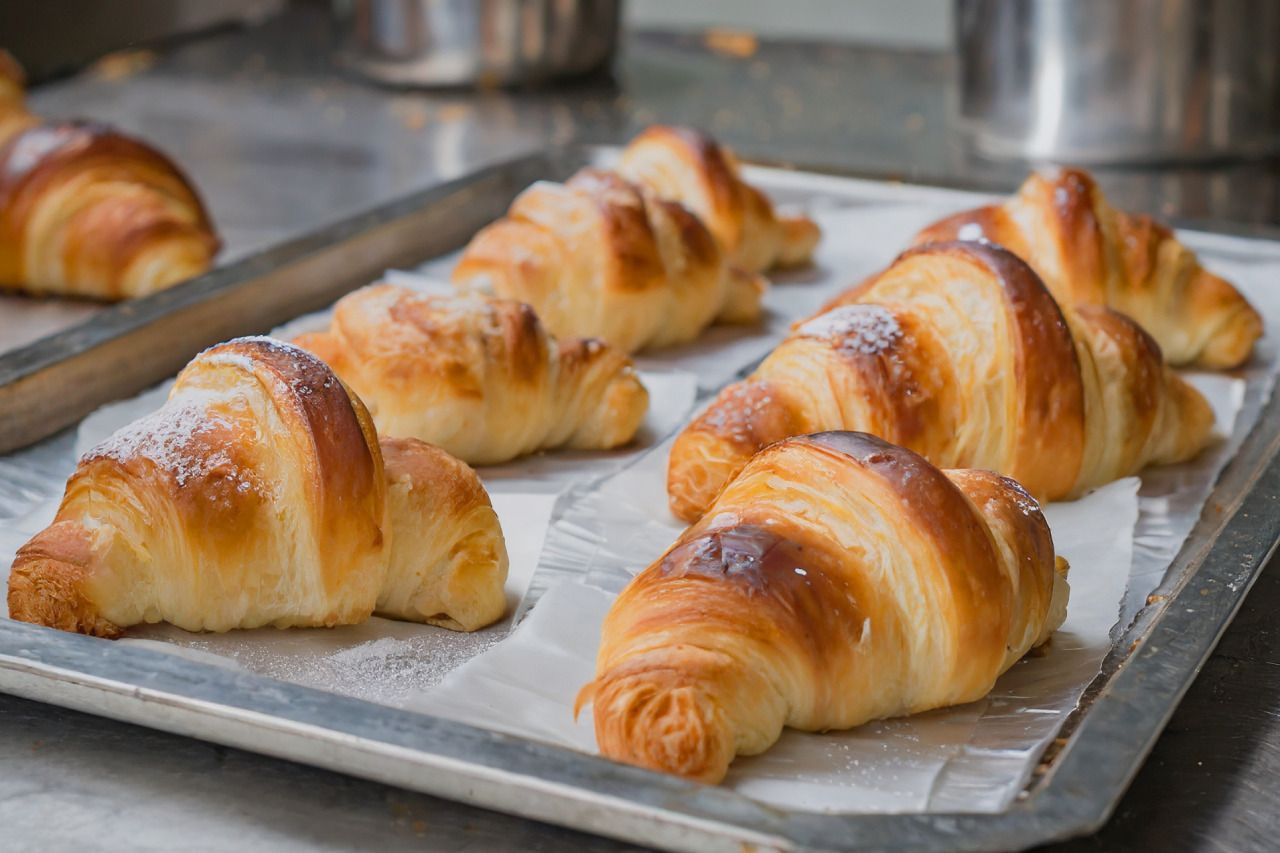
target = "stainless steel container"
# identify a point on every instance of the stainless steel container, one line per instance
(1097, 81)
(480, 42)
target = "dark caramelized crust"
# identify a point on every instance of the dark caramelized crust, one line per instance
(896, 364)
(1090, 254)
(257, 495)
(720, 176)
(835, 580)
(958, 352)
(599, 256)
(633, 254)
(315, 403)
(688, 166)
(1050, 404)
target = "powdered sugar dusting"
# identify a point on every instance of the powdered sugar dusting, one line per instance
(178, 439)
(863, 329)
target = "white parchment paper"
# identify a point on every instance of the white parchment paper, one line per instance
(612, 521)
(975, 757)
(380, 660)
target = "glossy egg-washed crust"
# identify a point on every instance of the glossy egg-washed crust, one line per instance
(479, 377)
(1091, 254)
(256, 496)
(600, 257)
(690, 167)
(958, 352)
(836, 580)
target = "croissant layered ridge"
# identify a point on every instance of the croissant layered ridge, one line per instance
(958, 352)
(601, 257)
(686, 165)
(260, 494)
(88, 211)
(837, 579)
(1089, 253)
(478, 377)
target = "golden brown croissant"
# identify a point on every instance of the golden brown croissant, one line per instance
(1090, 254)
(259, 495)
(687, 166)
(87, 211)
(837, 579)
(14, 117)
(600, 257)
(479, 377)
(958, 352)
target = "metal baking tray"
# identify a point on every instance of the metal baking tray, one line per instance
(1101, 746)
(116, 350)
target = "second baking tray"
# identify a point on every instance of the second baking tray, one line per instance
(1150, 666)
(52, 382)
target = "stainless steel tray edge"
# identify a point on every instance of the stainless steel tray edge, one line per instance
(1152, 666)
(53, 382)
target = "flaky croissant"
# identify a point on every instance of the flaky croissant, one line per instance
(478, 377)
(1090, 254)
(837, 579)
(14, 116)
(259, 495)
(690, 167)
(959, 352)
(600, 257)
(87, 211)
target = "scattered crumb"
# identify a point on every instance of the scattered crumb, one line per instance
(411, 114)
(452, 113)
(736, 43)
(123, 64)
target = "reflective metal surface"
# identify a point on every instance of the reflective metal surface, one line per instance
(281, 143)
(55, 381)
(483, 42)
(1151, 666)
(1119, 80)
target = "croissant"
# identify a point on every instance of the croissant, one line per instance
(837, 579)
(687, 166)
(14, 117)
(959, 352)
(1090, 254)
(260, 495)
(87, 211)
(478, 377)
(600, 257)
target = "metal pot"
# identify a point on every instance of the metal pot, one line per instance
(1119, 80)
(481, 42)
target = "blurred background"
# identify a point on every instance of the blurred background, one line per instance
(292, 113)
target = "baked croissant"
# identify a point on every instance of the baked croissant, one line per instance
(600, 257)
(14, 117)
(1090, 254)
(837, 579)
(478, 377)
(87, 211)
(960, 353)
(259, 495)
(687, 166)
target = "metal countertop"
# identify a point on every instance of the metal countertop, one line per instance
(281, 142)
